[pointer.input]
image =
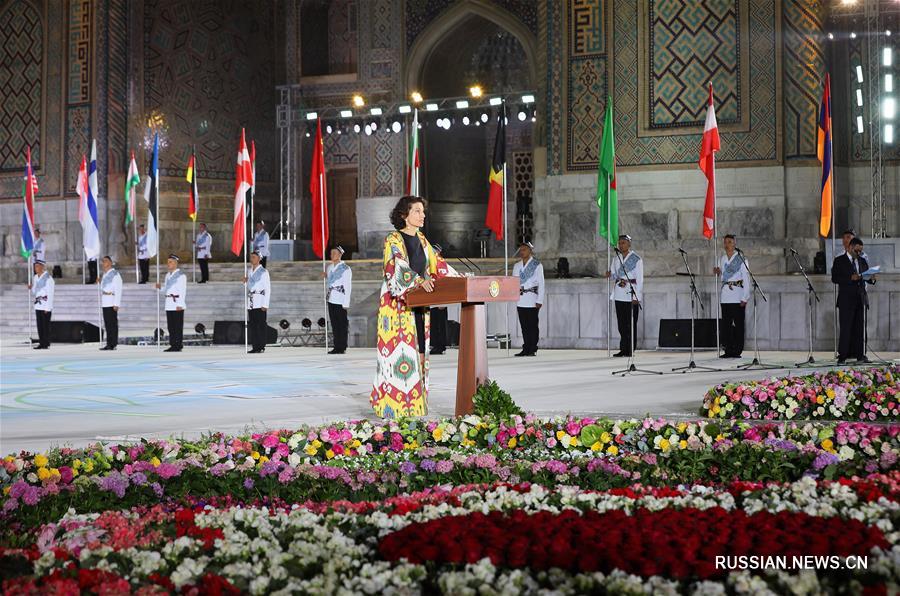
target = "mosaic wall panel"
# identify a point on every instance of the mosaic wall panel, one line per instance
(341, 149)
(686, 46)
(420, 13)
(802, 70)
(587, 94)
(383, 166)
(343, 38)
(202, 72)
(21, 80)
(78, 138)
(586, 28)
(117, 87)
(554, 12)
(79, 83)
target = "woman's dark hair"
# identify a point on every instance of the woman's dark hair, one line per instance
(401, 210)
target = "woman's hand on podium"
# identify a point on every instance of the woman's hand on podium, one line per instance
(428, 285)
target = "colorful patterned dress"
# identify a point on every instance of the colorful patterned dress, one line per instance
(400, 388)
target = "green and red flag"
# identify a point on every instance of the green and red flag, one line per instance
(607, 192)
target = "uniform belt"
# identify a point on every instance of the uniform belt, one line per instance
(622, 283)
(109, 293)
(337, 289)
(523, 291)
(734, 284)
(173, 296)
(39, 299)
(260, 292)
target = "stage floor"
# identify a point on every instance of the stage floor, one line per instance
(73, 394)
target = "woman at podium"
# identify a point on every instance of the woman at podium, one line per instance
(401, 378)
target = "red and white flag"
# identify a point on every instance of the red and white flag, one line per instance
(243, 181)
(707, 164)
(319, 193)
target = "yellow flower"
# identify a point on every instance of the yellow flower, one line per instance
(574, 442)
(437, 433)
(560, 434)
(467, 443)
(40, 460)
(255, 455)
(612, 450)
(74, 472)
(6, 490)
(89, 466)
(605, 437)
(329, 454)
(76, 464)
(355, 444)
(664, 444)
(830, 393)
(820, 400)
(720, 437)
(43, 474)
(310, 450)
(9, 459)
(682, 444)
(597, 446)
(412, 445)
(827, 445)
(155, 462)
(317, 443)
(263, 459)
(512, 443)
(54, 472)
(681, 427)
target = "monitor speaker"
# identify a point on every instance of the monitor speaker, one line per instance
(676, 333)
(73, 332)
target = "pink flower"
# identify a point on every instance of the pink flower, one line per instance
(270, 441)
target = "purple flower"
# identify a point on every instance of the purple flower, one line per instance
(428, 465)
(824, 460)
(139, 479)
(248, 483)
(443, 466)
(157, 489)
(114, 483)
(407, 468)
(167, 470)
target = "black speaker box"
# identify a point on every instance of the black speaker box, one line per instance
(232, 332)
(676, 333)
(73, 332)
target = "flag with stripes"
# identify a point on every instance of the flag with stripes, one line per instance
(494, 217)
(707, 163)
(824, 153)
(194, 196)
(151, 194)
(243, 181)
(29, 192)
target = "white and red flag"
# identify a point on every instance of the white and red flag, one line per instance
(707, 164)
(243, 181)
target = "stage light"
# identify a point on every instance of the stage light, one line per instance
(311, 115)
(830, 35)
(496, 101)
(889, 134)
(328, 128)
(465, 120)
(484, 117)
(307, 134)
(284, 324)
(416, 97)
(889, 107)
(375, 111)
(475, 91)
(404, 109)
(431, 107)
(853, 35)
(848, 2)
(358, 101)
(346, 113)
(200, 328)
(396, 126)
(528, 99)
(859, 124)
(859, 77)
(356, 128)
(306, 323)
(462, 104)
(522, 115)
(888, 32)
(887, 56)
(321, 321)
(889, 82)
(859, 100)
(368, 130)
(374, 126)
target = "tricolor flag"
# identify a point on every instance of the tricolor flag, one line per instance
(494, 217)
(87, 206)
(607, 193)
(194, 197)
(243, 180)
(131, 181)
(319, 193)
(412, 172)
(824, 153)
(151, 194)
(707, 164)
(29, 192)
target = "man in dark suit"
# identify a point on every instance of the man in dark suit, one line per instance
(846, 273)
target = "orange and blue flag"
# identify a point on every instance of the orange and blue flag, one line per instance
(824, 153)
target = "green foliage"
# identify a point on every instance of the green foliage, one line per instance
(491, 400)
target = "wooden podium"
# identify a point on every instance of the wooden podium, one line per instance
(470, 293)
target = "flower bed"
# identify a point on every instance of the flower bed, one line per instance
(865, 394)
(505, 538)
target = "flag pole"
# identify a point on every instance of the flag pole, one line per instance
(30, 277)
(194, 248)
(716, 258)
(505, 249)
(608, 267)
(246, 287)
(324, 280)
(137, 273)
(156, 223)
(99, 305)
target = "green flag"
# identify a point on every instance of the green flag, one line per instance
(131, 181)
(607, 197)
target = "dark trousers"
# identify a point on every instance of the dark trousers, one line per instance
(92, 272)
(175, 322)
(733, 328)
(340, 326)
(256, 328)
(43, 327)
(851, 343)
(438, 329)
(263, 261)
(624, 311)
(528, 319)
(111, 323)
(419, 314)
(145, 270)
(204, 269)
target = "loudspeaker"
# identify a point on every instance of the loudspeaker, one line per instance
(676, 333)
(73, 332)
(452, 333)
(228, 332)
(271, 335)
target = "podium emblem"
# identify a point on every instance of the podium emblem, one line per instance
(494, 288)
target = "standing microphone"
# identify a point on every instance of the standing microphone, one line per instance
(681, 250)
(794, 251)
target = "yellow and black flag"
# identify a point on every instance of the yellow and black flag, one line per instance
(494, 218)
(192, 180)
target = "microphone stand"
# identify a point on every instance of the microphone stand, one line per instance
(634, 300)
(757, 363)
(810, 293)
(695, 299)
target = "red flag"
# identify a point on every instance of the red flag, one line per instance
(318, 191)
(494, 219)
(708, 165)
(243, 180)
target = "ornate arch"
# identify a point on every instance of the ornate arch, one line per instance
(447, 22)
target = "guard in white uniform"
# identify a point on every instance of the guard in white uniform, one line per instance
(259, 292)
(38, 252)
(628, 304)
(42, 288)
(261, 242)
(111, 300)
(531, 297)
(174, 291)
(340, 284)
(143, 254)
(734, 296)
(204, 253)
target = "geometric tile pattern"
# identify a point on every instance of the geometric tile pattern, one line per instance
(343, 39)
(692, 43)
(555, 81)
(79, 83)
(587, 94)
(341, 149)
(382, 153)
(78, 138)
(117, 87)
(420, 13)
(586, 21)
(21, 54)
(803, 70)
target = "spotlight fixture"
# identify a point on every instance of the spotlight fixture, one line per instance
(496, 101)
(374, 126)
(859, 76)
(889, 83)
(830, 35)
(284, 324)
(368, 130)
(311, 115)
(375, 111)
(356, 128)
(328, 128)
(358, 101)
(346, 113)
(306, 323)
(889, 107)
(404, 109)
(431, 107)
(475, 91)
(887, 56)
(307, 134)
(465, 120)
(484, 117)
(528, 98)
(859, 97)
(415, 97)
(853, 35)
(889, 134)
(859, 124)
(462, 104)
(321, 321)
(200, 328)
(396, 126)
(522, 115)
